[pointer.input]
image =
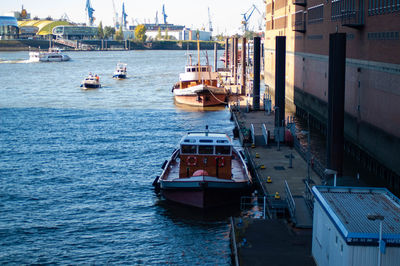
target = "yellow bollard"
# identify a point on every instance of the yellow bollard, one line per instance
(262, 166)
(277, 196)
(257, 155)
(253, 145)
(269, 180)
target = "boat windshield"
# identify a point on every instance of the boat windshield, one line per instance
(206, 149)
(223, 150)
(189, 149)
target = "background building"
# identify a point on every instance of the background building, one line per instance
(8, 28)
(73, 32)
(174, 32)
(372, 120)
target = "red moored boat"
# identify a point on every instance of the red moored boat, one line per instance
(198, 86)
(206, 171)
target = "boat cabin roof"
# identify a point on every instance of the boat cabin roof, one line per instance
(206, 138)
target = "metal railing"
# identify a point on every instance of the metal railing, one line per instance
(290, 202)
(233, 238)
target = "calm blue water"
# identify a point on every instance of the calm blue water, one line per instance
(76, 166)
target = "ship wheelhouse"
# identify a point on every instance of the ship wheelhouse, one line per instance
(205, 154)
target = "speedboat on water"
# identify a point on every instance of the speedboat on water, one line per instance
(205, 171)
(91, 82)
(52, 55)
(120, 71)
(198, 86)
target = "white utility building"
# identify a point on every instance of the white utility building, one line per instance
(346, 226)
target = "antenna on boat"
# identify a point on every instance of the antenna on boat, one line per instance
(207, 130)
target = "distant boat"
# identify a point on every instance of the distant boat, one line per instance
(52, 55)
(205, 171)
(120, 71)
(91, 82)
(198, 86)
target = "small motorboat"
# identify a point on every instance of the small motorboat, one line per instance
(120, 72)
(205, 171)
(91, 82)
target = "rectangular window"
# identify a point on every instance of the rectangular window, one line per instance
(188, 149)
(225, 150)
(316, 14)
(205, 149)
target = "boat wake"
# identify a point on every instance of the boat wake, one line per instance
(26, 61)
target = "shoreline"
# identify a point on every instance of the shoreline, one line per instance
(106, 45)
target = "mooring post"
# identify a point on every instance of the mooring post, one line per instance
(243, 62)
(235, 59)
(215, 58)
(280, 69)
(256, 72)
(336, 90)
(226, 52)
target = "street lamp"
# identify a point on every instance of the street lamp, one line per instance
(331, 172)
(373, 217)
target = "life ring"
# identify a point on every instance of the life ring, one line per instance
(221, 161)
(191, 160)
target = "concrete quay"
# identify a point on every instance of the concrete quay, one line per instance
(284, 237)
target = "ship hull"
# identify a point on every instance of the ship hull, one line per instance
(205, 194)
(201, 96)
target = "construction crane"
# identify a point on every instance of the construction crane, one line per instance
(247, 16)
(164, 15)
(90, 11)
(115, 19)
(123, 16)
(210, 28)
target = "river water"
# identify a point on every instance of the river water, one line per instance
(76, 167)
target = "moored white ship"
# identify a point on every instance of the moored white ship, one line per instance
(199, 86)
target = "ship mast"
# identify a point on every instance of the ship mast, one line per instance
(198, 56)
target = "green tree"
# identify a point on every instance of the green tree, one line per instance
(159, 36)
(140, 33)
(100, 31)
(166, 37)
(119, 35)
(108, 32)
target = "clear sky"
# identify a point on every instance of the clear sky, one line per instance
(226, 15)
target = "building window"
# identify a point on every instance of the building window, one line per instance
(316, 14)
(378, 7)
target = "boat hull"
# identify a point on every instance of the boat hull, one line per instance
(120, 76)
(207, 195)
(201, 96)
(91, 86)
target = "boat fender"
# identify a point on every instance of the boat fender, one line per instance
(164, 164)
(155, 181)
(221, 161)
(191, 160)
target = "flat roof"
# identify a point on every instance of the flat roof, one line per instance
(203, 138)
(349, 208)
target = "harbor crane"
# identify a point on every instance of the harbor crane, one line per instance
(210, 27)
(123, 17)
(115, 19)
(90, 11)
(247, 16)
(164, 15)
